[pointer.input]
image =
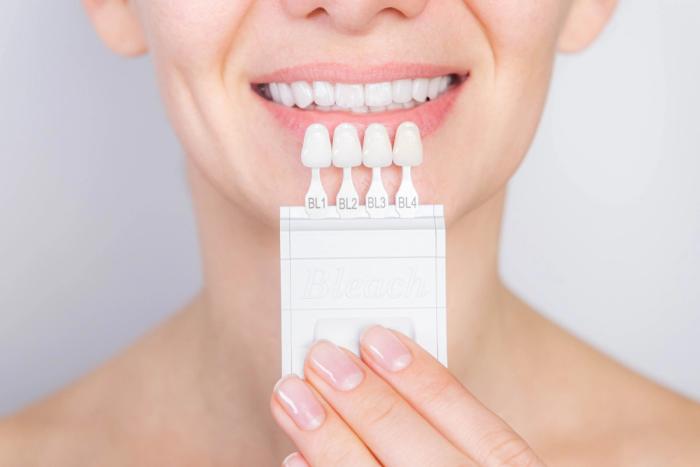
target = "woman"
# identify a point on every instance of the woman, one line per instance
(197, 391)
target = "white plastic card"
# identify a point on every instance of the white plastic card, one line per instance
(340, 275)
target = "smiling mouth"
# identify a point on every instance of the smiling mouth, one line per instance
(358, 98)
(388, 94)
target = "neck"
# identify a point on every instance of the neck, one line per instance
(239, 304)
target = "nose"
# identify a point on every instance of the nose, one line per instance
(353, 16)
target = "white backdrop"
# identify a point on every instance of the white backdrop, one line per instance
(602, 231)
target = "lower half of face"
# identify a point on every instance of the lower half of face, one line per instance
(242, 81)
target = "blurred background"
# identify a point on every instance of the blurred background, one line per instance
(602, 230)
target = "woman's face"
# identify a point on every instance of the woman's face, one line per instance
(214, 59)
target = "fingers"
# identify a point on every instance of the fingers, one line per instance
(315, 428)
(295, 459)
(442, 400)
(386, 423)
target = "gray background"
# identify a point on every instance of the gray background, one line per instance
(97, 242)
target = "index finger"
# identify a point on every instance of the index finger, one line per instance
(442, 400)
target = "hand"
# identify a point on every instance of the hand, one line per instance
(395, 406)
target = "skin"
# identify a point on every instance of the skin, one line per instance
(196, 390)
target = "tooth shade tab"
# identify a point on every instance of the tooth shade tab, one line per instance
(316, 151)
(376, 150)
(347, 151)
(408, 146)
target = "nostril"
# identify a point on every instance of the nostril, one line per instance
(320, 11)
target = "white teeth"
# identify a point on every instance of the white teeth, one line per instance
(316, 151)
(286, 96)
(376, 151)
(275, 92)
(349, 96)
(359, 98)
(420, 89)
(347, 151)
(401, 91)
(434, 88)
(408, 147)
(444, 84)
(324, 93)
(303, 95)
(378, 94)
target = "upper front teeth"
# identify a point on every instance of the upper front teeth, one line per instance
(387, 95)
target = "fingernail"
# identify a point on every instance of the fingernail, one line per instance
(294, 460)
(386, 349)
(335, 366)
(300, 403)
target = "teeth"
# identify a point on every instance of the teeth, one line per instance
(316, 151)
(349, 96)
(286, 96)
(376, 151)
(434, 88)
(275, 92)
(408, 148)
(324, 93)
(359, 98)
(420, 89)
(303, 95)
(347, 151)
(401, 91)
(378, 94)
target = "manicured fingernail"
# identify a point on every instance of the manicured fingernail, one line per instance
(335, 366)
(386, 349)
(294, 460)
(300, 403)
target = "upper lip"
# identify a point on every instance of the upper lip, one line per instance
(345, 73)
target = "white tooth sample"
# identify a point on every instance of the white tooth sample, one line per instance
(360, 110)
(324, 93)
(408, 152)
(378, 94)
(395, 106)
(316, 153)
(378, 109)
(434, 88)
(402, 91)
(286, 96)
(275, 92)
(420, 89)
(376, 153)
(409, 105)
(347, 153)
(444, 84)
(349, 96)
(303, 95)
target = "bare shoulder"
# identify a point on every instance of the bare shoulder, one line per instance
(17, 443)
(598, 411)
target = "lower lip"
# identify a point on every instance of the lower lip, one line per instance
(428, 116)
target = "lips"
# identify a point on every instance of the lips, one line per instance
(333, 94)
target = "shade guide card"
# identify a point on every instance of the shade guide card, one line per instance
(339, 275)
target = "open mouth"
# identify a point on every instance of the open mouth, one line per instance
(331, 94)
(358, 98)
